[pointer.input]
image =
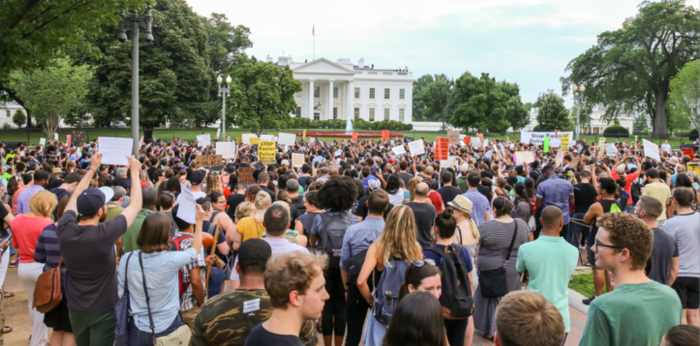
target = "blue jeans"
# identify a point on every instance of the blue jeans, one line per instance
(13, 251)
(216, 280)
(140, 338)
(576, 229)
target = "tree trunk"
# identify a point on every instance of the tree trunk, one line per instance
(660, 123)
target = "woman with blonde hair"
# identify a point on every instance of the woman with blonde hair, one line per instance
(26, 229)
(397, 242)
(213, 183)
(412, 187)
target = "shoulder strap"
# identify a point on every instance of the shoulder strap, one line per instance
(148, 299)
(460, 234)
(126, 271)
(512, 241)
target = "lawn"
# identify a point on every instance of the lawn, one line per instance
(32, 136)
(583, 283)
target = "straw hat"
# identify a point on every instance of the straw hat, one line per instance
(461, 203)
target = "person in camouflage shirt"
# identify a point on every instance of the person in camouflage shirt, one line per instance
(229, 318)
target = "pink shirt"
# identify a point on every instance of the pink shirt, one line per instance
(25, 234)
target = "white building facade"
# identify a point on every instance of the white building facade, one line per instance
(7, 111)
(342, 90)
(597, 125)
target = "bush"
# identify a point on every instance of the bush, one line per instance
(19, 118)
(616, 131)
(6, 126)
(693, 134)
(645, 131)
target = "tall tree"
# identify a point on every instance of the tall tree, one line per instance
(635, 63)
(174, 76)
(479, 103)
(34, 33)
(225, 41)
(684, 99)
(516, 114)
(551, 113)
(52, 92)
(262, 95)
(435, 96)
(418, 86)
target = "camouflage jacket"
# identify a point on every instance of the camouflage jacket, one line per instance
(228, 319)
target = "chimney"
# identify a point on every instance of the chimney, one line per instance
(361, 63)
(269, 58)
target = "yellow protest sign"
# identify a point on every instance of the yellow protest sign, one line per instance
(304, 135)
(266, 151)
(564, 142)
(239, 140)
(254, 140)
(693, 167)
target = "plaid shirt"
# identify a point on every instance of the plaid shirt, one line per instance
(187, 300)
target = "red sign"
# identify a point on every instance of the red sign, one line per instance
(689, 152)
(385, 135)
(467, 140)
(442, 150)
(354, 136)
(480, 135)
(68, 142)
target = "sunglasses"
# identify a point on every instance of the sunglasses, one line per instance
(420, 263)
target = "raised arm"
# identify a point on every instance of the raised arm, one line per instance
(95, 161)
(136, 200)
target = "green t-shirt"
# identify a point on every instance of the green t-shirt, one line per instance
(549, 277)
(632, 314)
(132, 233)
(113, 212)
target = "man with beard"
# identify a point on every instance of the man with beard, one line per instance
(88, 254)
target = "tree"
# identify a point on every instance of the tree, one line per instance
(175, 79)
(584, 117)
(418, 86)
(516, 114)
(479, 103)
(52, 92)
(551, 114)
(19, 118)
(434, 98)
(34, 33)
(684, 98)
(262, 95)
(225, 41)
(640, 123)
(635, 64)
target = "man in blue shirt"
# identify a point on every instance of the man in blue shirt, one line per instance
(556, 192)
(480, 204)
(357, 240)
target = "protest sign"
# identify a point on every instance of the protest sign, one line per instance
(476, 142)
(287, 138)
(246, 138)
(337, 153)
(601, 143)
(140, 141)
(480, 135)
(210, 162)
(524, 157)
(297, 160)
(449, 162)
(55, 136)
(203, 140)
(442, 148)
(693, 167)
(78, 136)
(688, 152)
(651, 150)
(537, 138)
(559, 159)
(467, 140)
(454, 137)
(416, 147)
(245, 175)
(218, 132)
(385, 135)
(503, 149)
(267, 137)
(187, 210)
(565, 138)
(555, 142)
(254, 140)
(546, 144)
(354, 136)
(266, 151)
(42, 141)
(227, 150)
(304, 135)
(610, 150)
(398, 150)
(115, 151)
(68, 139)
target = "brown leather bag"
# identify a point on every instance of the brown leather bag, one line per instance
(47, 293)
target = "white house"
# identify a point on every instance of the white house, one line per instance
(338, 90)
(7, 111)
(597, 125)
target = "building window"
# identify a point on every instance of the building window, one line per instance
(402, 112)
(357, 113)
(386, 114)
(335, 92)
(371, 93)
(335, 113)
(387, 93)
(371, 113)
(317, 92)
(402, 94)
(298, 112)
(9, 113)
(357, 93)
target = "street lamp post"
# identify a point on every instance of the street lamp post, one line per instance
(224, 92)
(578, 100)
(136, 23)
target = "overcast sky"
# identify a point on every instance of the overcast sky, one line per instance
(528, 42)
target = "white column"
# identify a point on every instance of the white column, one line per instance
(330, 99)
(349, 100)
(311, 99)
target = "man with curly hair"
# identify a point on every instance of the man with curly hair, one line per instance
(639, 311)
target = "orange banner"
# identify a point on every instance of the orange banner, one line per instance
(688, 152)
(354, 136)
(442, 150)
(385, 135)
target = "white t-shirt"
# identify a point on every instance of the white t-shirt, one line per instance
(278, 246)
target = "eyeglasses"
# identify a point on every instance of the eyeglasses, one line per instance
(596, 244)
(420, 263)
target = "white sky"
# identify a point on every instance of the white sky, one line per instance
(525, 41)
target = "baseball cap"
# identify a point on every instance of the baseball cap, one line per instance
(374, 184)
(197, 177)
(91, 200)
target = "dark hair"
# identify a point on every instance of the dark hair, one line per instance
(417, 321)
(148, 197)
(473, 178)
(653, 174)
(253, 255)
(393, 184)
(547, 170)
(378, 201)
(182, 225)
(608, 185)
(683, 335)
(445, 224)
(214, 196)
(683, 196)
(338, 194)
(173, 184)
(232, 181)
(12, 186)
(252, 192)
(415, 275)
(41, 175)
(154, 234)
(166, 199)
(621, 182)
(502, 206)
(312, 198)
(682, 180)
(530, 187)
(276, 220)
(359, 188)
(446, 177)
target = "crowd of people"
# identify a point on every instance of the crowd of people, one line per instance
(355, 245)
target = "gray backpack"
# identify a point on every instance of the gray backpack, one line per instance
(386, 295)
(332, 234)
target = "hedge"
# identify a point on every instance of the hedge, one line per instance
(358, 124)
(616, 131)
(693, 134)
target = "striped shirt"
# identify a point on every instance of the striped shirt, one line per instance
(47, 250)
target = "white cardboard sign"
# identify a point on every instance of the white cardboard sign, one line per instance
(416, 147)
(114, 150)
(651, 150)
(399, 150)
(203, 140)
(227, 150)
(287, 138)
(245, 138)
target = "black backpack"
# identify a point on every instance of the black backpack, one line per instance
(332, 234)
(456, 288)
(636, 189)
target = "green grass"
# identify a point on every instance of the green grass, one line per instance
(32, 136)
(583, 283)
